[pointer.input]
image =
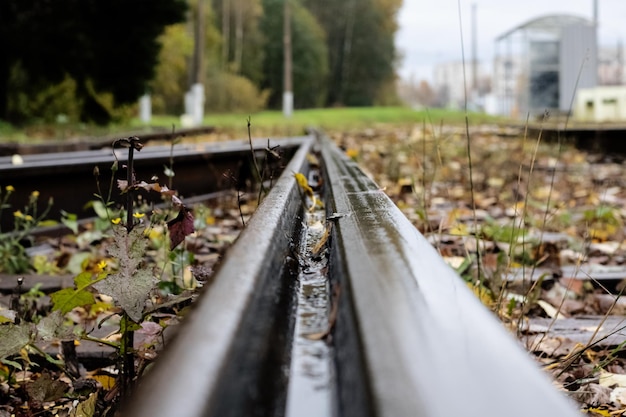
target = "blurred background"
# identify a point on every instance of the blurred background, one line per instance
(96, 62)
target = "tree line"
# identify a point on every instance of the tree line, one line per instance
(90, 60)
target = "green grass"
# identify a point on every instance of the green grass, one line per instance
(274, 123)
(270, 123)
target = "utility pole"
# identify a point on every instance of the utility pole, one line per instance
(287, 63)
(198, 50)
(474, 53)
(194, 99)
(225, 33)
(596, 25)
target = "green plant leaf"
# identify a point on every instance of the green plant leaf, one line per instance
(13, 338)
(100, 209)
(130, 286)
(12, 364)
(68, 298)
(70, 220)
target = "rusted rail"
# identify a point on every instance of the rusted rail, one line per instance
(367, 322)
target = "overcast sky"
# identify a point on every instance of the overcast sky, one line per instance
(429, 30)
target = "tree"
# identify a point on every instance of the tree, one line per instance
(105, 46)
(242, 40)
(361, 51)
(309, 51)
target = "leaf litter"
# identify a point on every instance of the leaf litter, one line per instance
(543, 244)
(86, 314)
(547, 254)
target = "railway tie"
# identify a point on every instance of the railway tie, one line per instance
(340, 308)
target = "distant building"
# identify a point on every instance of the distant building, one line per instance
(601, 104)
(611, 69)
(539, 65)
(454, 81)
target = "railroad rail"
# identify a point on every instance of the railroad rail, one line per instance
(601, 138)
(99, 142)
(68, 177)
(345, 310)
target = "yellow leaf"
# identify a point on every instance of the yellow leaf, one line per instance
(598, 411)
(303, 183)
(459, 229)
(106, 381)
(484, 295)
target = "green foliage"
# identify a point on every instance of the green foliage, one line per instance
(502, 232)
(13, 257)
(47, 103)
(74, 38)
(360, 38)
(242, 38)
(602, 222)
(309, 54)
(170, 82)
(603, 214)
(67, 299)
(234, 93)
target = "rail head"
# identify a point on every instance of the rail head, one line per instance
(215, 365)
(427, 344)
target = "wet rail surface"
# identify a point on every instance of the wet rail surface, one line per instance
(68, 177)
(340, 310)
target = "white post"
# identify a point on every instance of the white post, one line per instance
(197, 111)
(287, 103)
(145, 108)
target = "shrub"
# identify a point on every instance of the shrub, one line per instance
(234, 93)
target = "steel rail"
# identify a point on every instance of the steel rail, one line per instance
(68, 177)
(408, 339)
(99, 142)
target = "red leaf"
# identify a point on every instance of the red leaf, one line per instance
(180, 227)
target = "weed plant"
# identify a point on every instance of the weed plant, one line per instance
(122, 284)
(13, 256)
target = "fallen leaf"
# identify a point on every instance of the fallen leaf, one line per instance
(86, 408)
(180, 227)
(608, 379)
(45, 389)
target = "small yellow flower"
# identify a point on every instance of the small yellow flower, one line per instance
(116, 220)
(101, 265)
(18, 214)
(138, 215)
(352, 153)
(9, 188)
(35, 194)
(29, 218)
(155, 233)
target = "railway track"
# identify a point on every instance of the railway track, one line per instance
(68, 177)
(99, 142)
(340, 310)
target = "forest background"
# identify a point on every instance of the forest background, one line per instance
(89, 61)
